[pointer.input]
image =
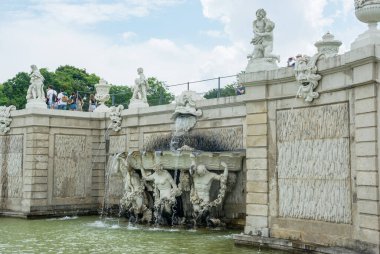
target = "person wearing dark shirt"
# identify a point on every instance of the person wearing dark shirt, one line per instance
(240, 89)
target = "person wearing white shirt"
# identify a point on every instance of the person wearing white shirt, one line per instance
(62, 103)
(51, 94)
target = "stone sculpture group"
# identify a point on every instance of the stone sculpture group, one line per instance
(141, 206)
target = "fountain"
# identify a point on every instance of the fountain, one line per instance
(179, 185)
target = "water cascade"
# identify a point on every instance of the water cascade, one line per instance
(181, 185)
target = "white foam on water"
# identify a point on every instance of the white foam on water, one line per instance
(130, 227)
(68, 218)
(98, 224)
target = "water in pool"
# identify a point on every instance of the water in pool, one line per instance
(94, 235)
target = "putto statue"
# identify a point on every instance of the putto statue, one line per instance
(262, 57)
(305, 71)
(35, 95)
(139, 97)
(263, 40)
(200, 191)
(5, 118)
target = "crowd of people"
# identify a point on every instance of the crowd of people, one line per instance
(63, 101)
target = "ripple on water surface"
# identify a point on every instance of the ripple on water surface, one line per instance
(94, 235)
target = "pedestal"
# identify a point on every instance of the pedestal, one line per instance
(138, 104)
(102, 109)
(261, 64)
(369, 37)
(36, 103)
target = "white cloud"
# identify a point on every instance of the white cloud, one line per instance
(49, 39)
(212, 33)
(129, 35)
(91, 12)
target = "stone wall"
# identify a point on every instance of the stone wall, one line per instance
(310, 177)
(313, 174)
(52, 163)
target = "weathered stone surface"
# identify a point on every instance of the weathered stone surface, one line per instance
(313, 163)
(257, 141)
(257, 221)
(365, 106)
(259, 210)
(256, 153)
(256, 186)
(72, 166)
(257, 175)
(257, 198)
(367, 178)
(365, 134)
(257, 119)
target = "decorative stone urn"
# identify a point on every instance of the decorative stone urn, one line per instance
(367, 11)
(102, 95)
(328, 46)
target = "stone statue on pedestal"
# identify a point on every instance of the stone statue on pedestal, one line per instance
(35, 95)
(262, 58)
(139, 97)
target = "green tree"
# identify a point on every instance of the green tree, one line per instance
(120, 95)
(157, 93)
(13, 91)
(228, 90)
(71, 79)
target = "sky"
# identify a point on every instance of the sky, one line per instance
(176, 41)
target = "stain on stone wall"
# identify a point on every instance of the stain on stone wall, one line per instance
(11, 174)
(314, 163)
(211, 140)
(118, 144)
(72, 166)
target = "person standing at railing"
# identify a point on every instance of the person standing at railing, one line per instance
(92, 103)
(240, 89)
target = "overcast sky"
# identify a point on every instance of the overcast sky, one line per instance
(174, 40)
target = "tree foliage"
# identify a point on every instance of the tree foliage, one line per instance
(120, 95)
(158, 94)
(13, 91)
(71, 79)
(228, 90)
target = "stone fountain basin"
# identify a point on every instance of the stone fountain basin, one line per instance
(182, 160)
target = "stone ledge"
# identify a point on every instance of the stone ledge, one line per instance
(293, 246)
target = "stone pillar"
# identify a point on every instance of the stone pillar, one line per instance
(133, 139)
(98, 165)
(257, 169)
(366, 150)
(35, 182)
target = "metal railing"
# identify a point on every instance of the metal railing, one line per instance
(190, 84)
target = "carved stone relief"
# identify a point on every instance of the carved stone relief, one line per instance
(5, 118)
(313, 163)
(115, 116)
(305, 71)
(72, 166)
(11, 174)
